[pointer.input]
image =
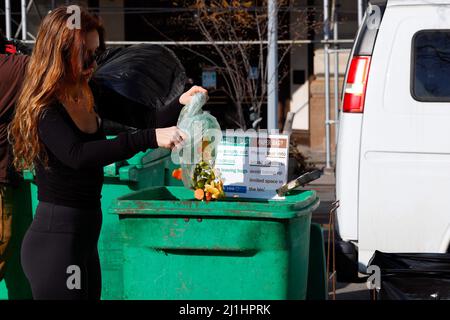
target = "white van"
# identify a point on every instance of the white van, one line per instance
(393, 151)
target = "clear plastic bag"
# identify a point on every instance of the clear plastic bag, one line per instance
(197, 155)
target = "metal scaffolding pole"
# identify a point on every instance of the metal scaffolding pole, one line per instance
(326, 33)
(8, 19)
(19, 29)
(220, 43)
(272, 66)
(336, 75)
(24, 18)
(360, 12)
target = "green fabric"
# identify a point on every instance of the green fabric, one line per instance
(17, 202)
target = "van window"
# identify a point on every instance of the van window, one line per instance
(431, 66)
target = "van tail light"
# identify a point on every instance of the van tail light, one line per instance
(355, 88)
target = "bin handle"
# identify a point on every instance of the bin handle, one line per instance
(208, 252)
(300, 181)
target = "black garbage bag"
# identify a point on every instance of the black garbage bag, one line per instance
(132, 83)
(413, 276)
(21, 47)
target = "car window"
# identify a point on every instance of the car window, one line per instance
(431, 66)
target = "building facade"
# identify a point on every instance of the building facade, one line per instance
(301, 92)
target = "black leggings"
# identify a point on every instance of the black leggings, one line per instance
(59, 253)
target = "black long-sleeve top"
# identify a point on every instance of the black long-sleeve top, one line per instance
(74, 174)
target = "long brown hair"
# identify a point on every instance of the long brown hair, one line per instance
(55, 66)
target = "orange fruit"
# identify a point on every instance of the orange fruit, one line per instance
(199, 194)
(177, 174)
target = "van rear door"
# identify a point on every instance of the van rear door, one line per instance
(404, 178)
(350, 122)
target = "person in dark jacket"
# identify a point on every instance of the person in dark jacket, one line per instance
(14, 213)
(57, 132)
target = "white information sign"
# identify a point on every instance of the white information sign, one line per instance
(253, 165)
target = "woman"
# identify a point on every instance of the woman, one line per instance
(56, 132)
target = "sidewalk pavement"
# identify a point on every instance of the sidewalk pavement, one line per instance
(325, 187)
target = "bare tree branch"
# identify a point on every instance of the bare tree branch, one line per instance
(232, 20)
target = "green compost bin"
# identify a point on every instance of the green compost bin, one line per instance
(14, 285)
(151, 168)
(175, 247)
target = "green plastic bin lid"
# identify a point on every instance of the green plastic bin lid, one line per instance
(140, 160)
(143, 159)
(180, 201)
(123, 170)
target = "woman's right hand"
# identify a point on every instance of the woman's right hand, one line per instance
(170, 137)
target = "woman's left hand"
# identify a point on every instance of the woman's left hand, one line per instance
(187, 96)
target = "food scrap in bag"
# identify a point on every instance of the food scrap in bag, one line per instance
(197, 155)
